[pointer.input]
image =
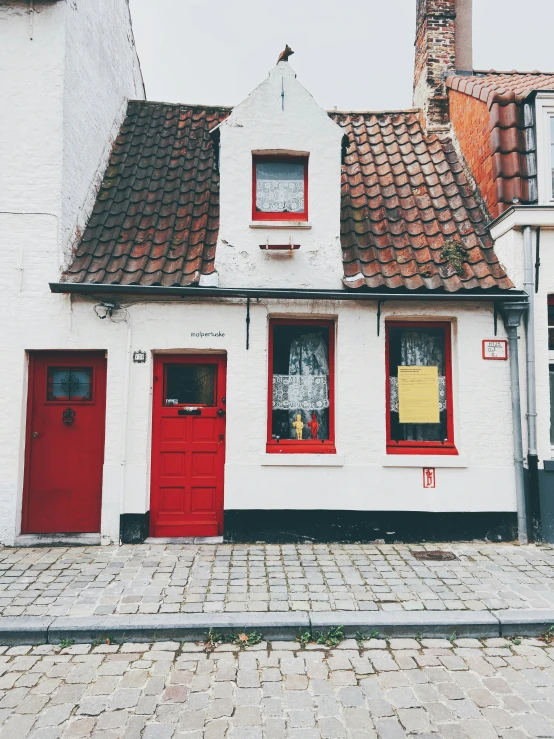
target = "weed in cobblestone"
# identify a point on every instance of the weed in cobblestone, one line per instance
(361, 637)
(516, 640)
(246, 640)
(65, 643)
(304, 637)
(102, 640)
(213, 639)
(333, 637)
(548, 635)
(453, 636)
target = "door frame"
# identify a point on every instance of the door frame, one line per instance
(188, 357)
(58, 355)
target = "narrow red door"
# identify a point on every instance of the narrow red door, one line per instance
(188, 446)
(64, 452)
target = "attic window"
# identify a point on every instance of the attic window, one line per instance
(280, 188)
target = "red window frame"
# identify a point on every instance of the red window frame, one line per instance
(423, 447)
(269, 216)
(306, 446)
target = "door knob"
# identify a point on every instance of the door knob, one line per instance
(35, 434)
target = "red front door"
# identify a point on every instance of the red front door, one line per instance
(64, 452)
(188, 446)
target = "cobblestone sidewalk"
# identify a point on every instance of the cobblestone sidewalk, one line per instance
(466, 689)
(148, 579)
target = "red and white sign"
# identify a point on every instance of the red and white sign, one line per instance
(429, 477)
(495, 349)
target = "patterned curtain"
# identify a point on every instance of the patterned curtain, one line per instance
(308, 358)
(279, 187)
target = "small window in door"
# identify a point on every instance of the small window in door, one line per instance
(190, 384)
(69, 383)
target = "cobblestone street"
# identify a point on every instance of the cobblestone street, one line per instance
(375, 688)
(148, 579)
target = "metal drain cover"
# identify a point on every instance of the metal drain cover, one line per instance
(435, 556)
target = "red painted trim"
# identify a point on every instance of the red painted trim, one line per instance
(96, 360)
(160, 361)
(494, 359)
(551, 300)
(292, 446)
(423, 447)
(268, 216)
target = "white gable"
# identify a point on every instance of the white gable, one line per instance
(280, 116)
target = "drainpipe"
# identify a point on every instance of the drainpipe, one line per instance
(532, 456)
(511, 314)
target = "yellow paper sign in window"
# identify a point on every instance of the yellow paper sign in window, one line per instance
(418, 394)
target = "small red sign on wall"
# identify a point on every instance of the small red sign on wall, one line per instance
(429, 477)
(495, 349)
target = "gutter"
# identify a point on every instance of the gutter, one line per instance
(87, 288)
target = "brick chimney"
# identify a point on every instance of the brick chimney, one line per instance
(443, 45)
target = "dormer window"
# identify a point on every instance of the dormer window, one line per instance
(280, 188)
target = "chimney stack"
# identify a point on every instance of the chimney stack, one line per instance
(443, 46)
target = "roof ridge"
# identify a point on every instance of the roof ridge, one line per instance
(182, 105)
(373, 112)
(507, 71)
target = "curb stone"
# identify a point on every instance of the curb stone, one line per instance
(275, 626)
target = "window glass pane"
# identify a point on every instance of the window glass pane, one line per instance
(69, 383)
(190, 384)
(417, 347)
(280, 187)
(300, 383)
(552, 151)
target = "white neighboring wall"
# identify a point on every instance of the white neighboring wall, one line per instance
(267, 120)
(67, 69)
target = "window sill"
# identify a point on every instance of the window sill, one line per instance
(281, 224)
(424, 460)
(301, 460)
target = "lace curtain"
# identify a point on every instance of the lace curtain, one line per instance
(421, 349)
(279, 187)
(305, 390)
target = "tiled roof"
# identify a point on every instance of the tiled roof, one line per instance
(404, 198)
(512, 144)
(501, 87)
(156, 217)
(406, 202)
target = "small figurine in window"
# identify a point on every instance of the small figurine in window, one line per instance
(298, 426)
(313, 426)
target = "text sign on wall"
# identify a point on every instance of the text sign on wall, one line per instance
(429, 477)
(418, 394)
(495, 349)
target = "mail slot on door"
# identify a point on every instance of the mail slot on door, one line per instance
(189, 412)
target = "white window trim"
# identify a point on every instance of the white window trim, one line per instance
(544, 111)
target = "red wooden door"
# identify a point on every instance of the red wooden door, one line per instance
(64, 452)
(188, 446)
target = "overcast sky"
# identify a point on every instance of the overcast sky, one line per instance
(355, 54)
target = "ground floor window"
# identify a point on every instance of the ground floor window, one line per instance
(419, 388)
(301, 392)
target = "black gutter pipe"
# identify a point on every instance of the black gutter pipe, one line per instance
(87, 288)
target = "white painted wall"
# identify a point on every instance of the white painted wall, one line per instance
(364, 478)
(260, 123)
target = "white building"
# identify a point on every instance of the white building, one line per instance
(243, 274)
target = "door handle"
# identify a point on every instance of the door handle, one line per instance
(220, 412)
(35, 434)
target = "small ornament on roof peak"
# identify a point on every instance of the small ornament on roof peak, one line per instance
(284, 55)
